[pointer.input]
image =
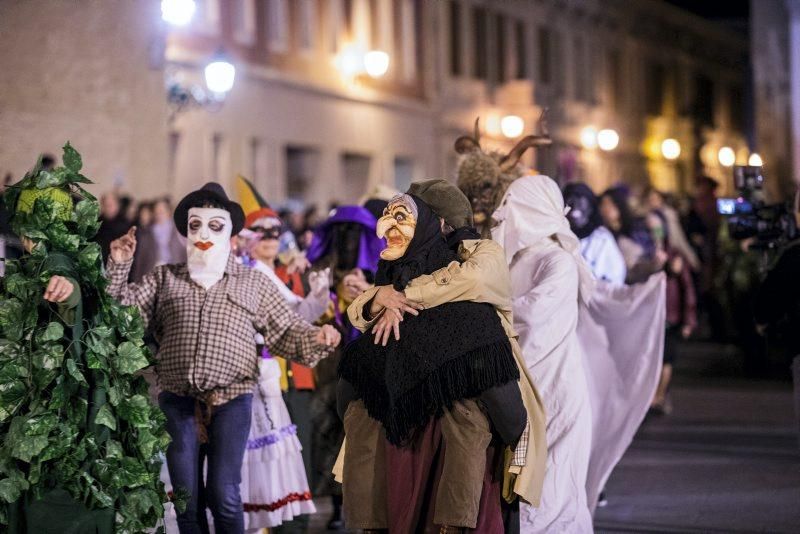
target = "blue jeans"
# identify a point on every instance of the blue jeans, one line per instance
(227, 438)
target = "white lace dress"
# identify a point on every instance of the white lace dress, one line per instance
(274, 484)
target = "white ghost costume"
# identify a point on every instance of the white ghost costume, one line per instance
(549, 280)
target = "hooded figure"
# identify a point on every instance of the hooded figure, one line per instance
(435, 463)
(549, 281)
(598, 246)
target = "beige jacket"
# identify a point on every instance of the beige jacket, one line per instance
(482, 277)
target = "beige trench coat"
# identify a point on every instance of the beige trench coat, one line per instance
(483, 276)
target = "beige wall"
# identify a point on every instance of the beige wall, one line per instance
(79, 70)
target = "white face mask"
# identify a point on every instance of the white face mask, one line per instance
(208, 244)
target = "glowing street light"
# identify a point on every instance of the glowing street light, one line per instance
(670, 149)
(512, 126)
(376, 63)
(350, 61)
(607, 139)
(220, 74)
(755, 160)
(177, 12)
(726, 156)
(589, 137)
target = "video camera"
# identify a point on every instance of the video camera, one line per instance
(749, 216)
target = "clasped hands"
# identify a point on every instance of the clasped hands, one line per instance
(394, 306)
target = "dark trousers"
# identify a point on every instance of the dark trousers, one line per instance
(227, 438)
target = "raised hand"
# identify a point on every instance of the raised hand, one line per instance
(58, 289)
(122, 249)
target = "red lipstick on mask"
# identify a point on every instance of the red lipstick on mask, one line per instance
(204, 245)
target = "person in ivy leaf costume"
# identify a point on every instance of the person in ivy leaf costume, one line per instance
(79, 439)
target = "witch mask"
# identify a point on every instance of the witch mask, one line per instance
(397, 226)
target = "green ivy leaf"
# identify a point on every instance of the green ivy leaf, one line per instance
(136, 410)
(130, 358)
(27, 437)
(75, 373)
(20, 285)
(72, 160)
(114, 449)
(54, 178)
(54, 331)
(105, 417)
(12, 318)
(13, 388)
(12, 487)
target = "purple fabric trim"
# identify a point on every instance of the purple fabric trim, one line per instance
(272, 438)
(370, 245)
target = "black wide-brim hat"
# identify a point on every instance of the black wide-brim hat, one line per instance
(213, 193)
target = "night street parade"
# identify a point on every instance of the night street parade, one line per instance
(399, 266)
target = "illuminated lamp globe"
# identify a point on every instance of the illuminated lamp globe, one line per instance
(177, 12)
(350, 61)
(607, 139)
(670, 149)
(726, 156)
(220, 74)
(376, 63)
(512, 126)
(755, 160)
(589, 137)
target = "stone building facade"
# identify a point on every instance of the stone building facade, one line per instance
(302, 127)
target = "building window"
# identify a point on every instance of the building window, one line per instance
(355, 173)
(521, 46)
(615, 88)
(277, 25)
(454, 8)
(500, 47)
(480, 30)
(558, 68)
(403, 173)
(216, 156)
(306, 25)
(736, 107)
(409, 50)
(244, 21)
(654, 84)
(579, 65)
(545, 56)
(335, 24)
(302, 167)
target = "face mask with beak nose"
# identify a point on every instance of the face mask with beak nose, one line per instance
(397, 226)
(208, 244)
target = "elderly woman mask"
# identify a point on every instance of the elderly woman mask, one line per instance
(397, 226)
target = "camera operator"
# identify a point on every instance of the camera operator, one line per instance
(778, 303)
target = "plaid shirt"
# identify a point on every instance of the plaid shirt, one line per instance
(206, 339)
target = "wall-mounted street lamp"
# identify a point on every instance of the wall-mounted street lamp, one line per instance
(177, 12)
(219, 77)
(726, 156)
(376, 63)
(512, 126)
(755, 160)
(670, 149)
(589, 137)
(352, 61)
(607, 139)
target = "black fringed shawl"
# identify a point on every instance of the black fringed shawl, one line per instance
(448, 353)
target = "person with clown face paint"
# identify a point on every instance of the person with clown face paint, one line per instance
(205, 315)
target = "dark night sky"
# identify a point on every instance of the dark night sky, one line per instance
(732, 14)
(730, 9)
